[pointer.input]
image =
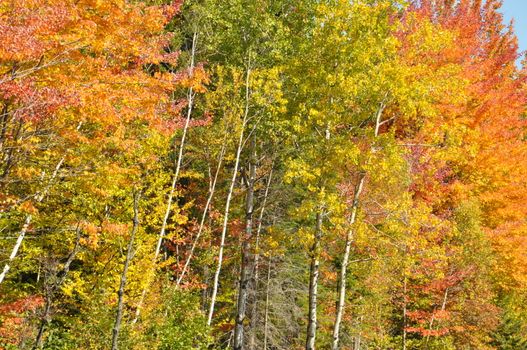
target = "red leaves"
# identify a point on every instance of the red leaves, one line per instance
(12, 318)
(172, 9)
(33, 103)
(425, 321)
(171, 58)
(428, 332)
(30, 303)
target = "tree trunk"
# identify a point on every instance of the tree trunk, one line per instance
(190, 100)
(405, 311)
(245, 268)
(349, 237)
(228, 202)
(120, 293)
(266, 314)
(4, 121)
(175, 178)
(38, 198)
(358, 339)
(443, 306)
(53, 288)
(45, 320)
(8, 158)
(254, 311)
(204, 215)
(313, 284)
(345, 260)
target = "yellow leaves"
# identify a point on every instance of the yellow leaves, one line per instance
(75, 285)
(266, 89)
(192, 174)
(27, 173)
(425, 37)
(274, 242)
(302, 172)
(179, 218)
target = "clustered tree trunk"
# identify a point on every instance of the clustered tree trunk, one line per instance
(239, 149)
(246, 268)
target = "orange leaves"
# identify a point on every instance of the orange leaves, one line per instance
(28, 207)
(329, 276)
(91, 232)
(29, 303)
(482, 153)
(13, 326)
(28, 28)
(510, 244)
(90, 52)
(197, 79)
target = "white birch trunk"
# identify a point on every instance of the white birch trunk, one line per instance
(349, 237)
(266, 314)
(228, 202)
(203, 217)
(345, 260)
(21, 235)
(190, 99)
(120, 292)
(254, 311)
(313, 285)
(175, 178)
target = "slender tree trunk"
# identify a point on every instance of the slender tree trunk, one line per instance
(443, 306)
(254, 311)
(266, 313)
(345, 260)
(190, 100)
(204, 215)
(206, 278)
(8, 157)
(27, 222)
(228, 202)
(175, 178)
(313, 284)
(404, 311)
(4, 121)
(120, 293)
(45, 320)
(349, 237)
(358, 339)
(53, 288)
(245, 268)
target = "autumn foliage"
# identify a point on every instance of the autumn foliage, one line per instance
(262, 175)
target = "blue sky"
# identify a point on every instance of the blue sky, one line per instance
(517, 9)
